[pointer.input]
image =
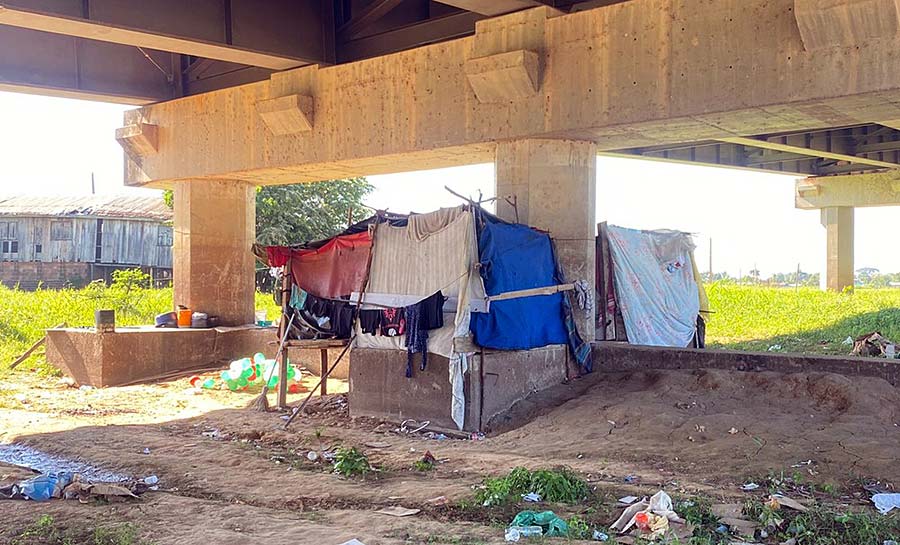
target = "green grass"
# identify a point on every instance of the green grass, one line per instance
(805, 320)
(553, 485)
(825, 525)
(350, 462)
(46, 531)
(24, 315)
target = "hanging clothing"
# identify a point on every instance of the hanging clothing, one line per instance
(393, 322)
(431, 311)
(370, 321)
(416, 337)
(298, 297)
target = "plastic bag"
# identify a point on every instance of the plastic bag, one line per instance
(548, 520)
(44, 487)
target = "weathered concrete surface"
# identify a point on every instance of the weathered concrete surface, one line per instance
(853, 190)
(312, 362)
(510, 376)
(379, 388)
(638, 73)
(213, 269)
(132, 354)
(838, 223)
(551, 185)
(617, 357)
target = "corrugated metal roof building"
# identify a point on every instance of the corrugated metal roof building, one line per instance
(59, 240)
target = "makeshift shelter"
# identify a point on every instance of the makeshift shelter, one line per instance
(457, 292)
(649, 288)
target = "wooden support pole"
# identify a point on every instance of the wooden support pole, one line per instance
(283, 352)
(324, 360)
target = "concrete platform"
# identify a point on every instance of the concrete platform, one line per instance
(496, 381)
(131, 354)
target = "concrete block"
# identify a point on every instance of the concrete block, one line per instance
(290, 114)
(138, 140)
(379, 388)
(132, 354)
(841, 23)
(504, 77)
(511, 376)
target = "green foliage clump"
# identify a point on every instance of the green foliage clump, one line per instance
(824, 525)
(46, 531)
(423, 465)
(350, 462)
(553, 485)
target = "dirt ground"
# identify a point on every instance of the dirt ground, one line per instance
(231, 475)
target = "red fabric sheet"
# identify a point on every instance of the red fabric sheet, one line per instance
(278, 255)
(337, 268)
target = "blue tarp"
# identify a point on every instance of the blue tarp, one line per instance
(516, 257)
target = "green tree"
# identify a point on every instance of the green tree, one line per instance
(290, 214)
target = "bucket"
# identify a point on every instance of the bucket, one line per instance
(260, 317)
(199, 319)
(184, 317)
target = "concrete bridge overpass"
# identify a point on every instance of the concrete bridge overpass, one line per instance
(335, 89)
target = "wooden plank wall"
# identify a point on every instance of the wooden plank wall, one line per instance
(124, 242)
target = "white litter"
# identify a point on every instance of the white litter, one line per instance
(885, 503)
(533, 497)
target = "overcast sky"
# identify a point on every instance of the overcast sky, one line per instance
(52, 146)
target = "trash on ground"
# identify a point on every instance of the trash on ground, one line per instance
(749, 486)
(885, 503)
(398, 511)
(440, 500)
(775, 348)
(68, 485)
(874, 345)
(515, 533)
(628, 500)
(848, 341)
(353, 541)
(777, 500)
(548, 521)
(532, 497)
(631, 478)
(599, 536)
(733, 431)
(651, 517)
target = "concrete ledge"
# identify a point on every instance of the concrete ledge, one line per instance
(617, 357)
(132, 354)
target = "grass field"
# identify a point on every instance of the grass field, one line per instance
(746, 317)
(805, 320)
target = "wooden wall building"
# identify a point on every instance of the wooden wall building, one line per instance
(72, 240)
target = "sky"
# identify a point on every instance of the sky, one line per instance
(54, 145)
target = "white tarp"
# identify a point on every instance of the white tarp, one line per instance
(655, 286)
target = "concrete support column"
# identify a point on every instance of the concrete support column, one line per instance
(838, 223)
(553, 186)
(213, 269)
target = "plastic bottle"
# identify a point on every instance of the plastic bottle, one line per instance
(514, 533)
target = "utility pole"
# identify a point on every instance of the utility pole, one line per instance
(710, 261)
(93, 187)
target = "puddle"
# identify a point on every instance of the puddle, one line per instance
(21, 455)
